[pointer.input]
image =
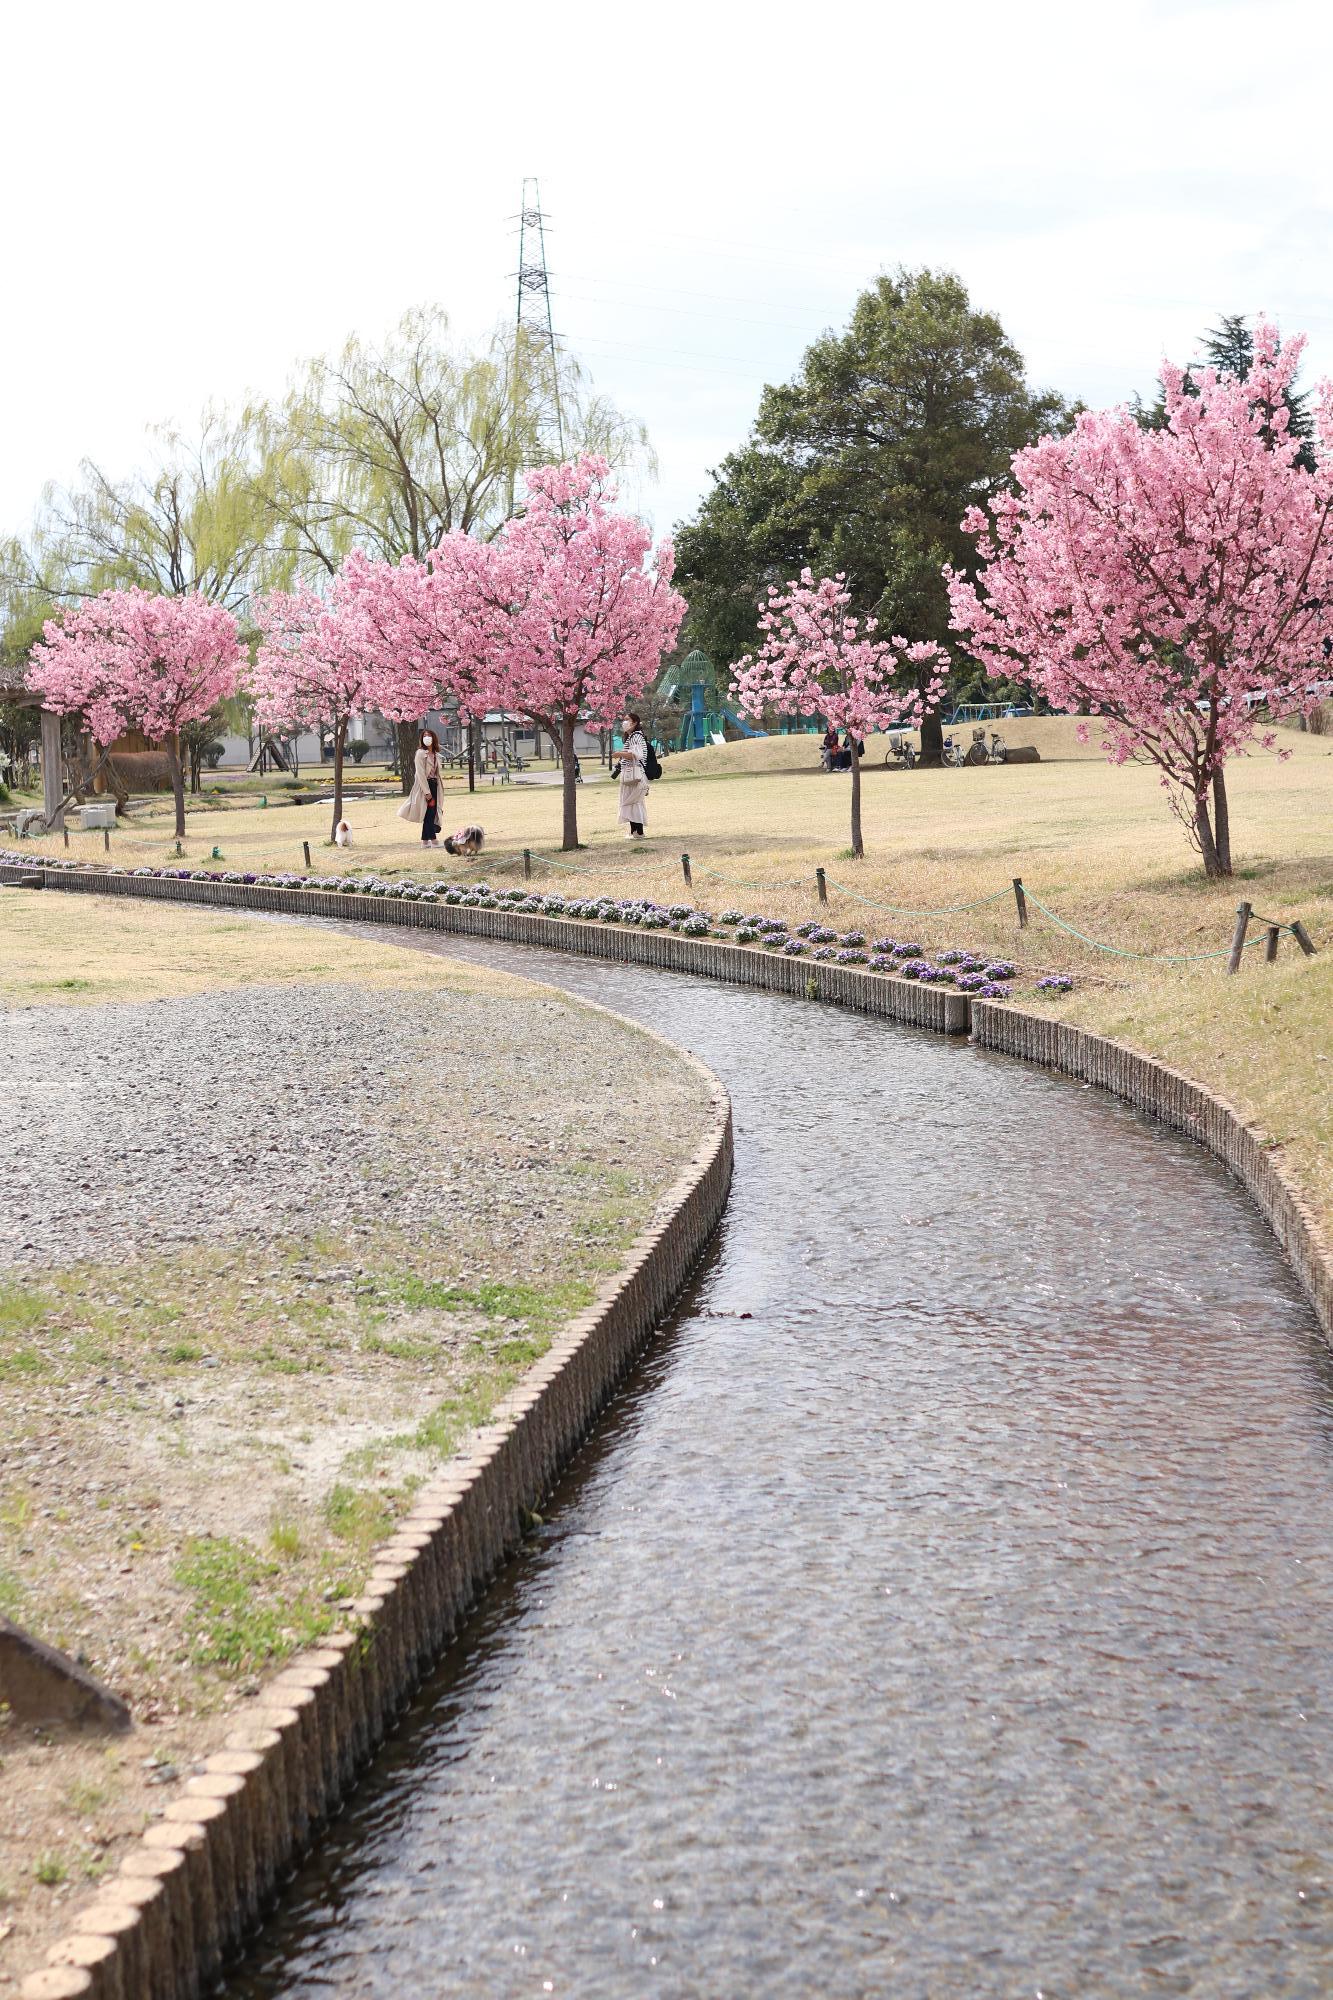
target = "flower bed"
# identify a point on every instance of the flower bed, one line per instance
(953, 966)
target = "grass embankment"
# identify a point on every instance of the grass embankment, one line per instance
(198, 1450)
(1095, 843)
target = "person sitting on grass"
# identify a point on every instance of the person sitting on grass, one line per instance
(829, 749)
(468, 840)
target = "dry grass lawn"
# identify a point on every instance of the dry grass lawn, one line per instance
(56, 950)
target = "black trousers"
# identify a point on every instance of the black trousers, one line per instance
(430, 825)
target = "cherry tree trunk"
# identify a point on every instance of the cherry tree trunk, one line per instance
(932, 741)
(177, 780)
(406, 733)
(1203, 834)
(339, 741)
(1221, 822)
(570, 837)
(858, 847)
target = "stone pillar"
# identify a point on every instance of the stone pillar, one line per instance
(53, 773)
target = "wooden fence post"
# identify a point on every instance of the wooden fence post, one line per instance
(106, 839)
(1238, 941)
(685, 871)
(65, 830)
(527, 864)
(822, 885)
(1274, 932)
(305, 849)
(1022, 903)
(1302, 937)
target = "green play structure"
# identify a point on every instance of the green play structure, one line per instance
(701, 725)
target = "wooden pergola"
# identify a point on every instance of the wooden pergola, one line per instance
(15, 690)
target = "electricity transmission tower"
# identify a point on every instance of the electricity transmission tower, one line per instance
(536, 364)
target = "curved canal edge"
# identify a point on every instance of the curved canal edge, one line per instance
(203, 1878)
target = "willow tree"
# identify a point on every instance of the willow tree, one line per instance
(190, 523)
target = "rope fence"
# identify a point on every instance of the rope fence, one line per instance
(1273, 928)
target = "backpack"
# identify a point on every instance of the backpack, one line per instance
(652, 764)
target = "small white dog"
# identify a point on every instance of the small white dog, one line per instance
(343, 836)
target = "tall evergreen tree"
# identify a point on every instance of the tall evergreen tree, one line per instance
(865, 463)
(1229, 347)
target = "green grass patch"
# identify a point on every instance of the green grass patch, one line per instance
(22, 1307)
(22, 1362)
(359, 1515)
(541, 1308)
(242, 1615)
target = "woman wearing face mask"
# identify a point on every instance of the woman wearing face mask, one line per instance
(423, 802)
(634, 778)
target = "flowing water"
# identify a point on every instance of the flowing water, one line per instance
(945, 1608)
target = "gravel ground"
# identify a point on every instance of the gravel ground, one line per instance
(213, 1209)
(250, 1115)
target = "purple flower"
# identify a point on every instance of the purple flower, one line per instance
(1056, 982)
(908, 949)
(1003, 968)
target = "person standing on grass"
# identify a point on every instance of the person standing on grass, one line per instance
(423, 802)
(634, 778)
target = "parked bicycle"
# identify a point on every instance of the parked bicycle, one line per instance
(901, 751)
(981, 754)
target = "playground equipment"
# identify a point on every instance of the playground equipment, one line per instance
(700, 724)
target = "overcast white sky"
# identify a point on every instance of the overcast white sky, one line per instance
(198, 196)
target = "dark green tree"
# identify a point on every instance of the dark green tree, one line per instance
(1229, 347)
(866, 462)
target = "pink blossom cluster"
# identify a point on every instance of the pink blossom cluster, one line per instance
(131, 660)
(816, 658)
(1169, 582)
(569, 610)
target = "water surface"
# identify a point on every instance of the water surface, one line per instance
(945, 1609)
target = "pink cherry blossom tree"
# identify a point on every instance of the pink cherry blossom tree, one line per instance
(129, 659)
(319, 658)
(426, 625)
(566, 614)
(1171, 583)
(818, 659)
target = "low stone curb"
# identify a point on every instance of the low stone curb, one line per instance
(201, 1878)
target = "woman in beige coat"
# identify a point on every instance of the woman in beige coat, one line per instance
(422, 805)
(634, 778)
